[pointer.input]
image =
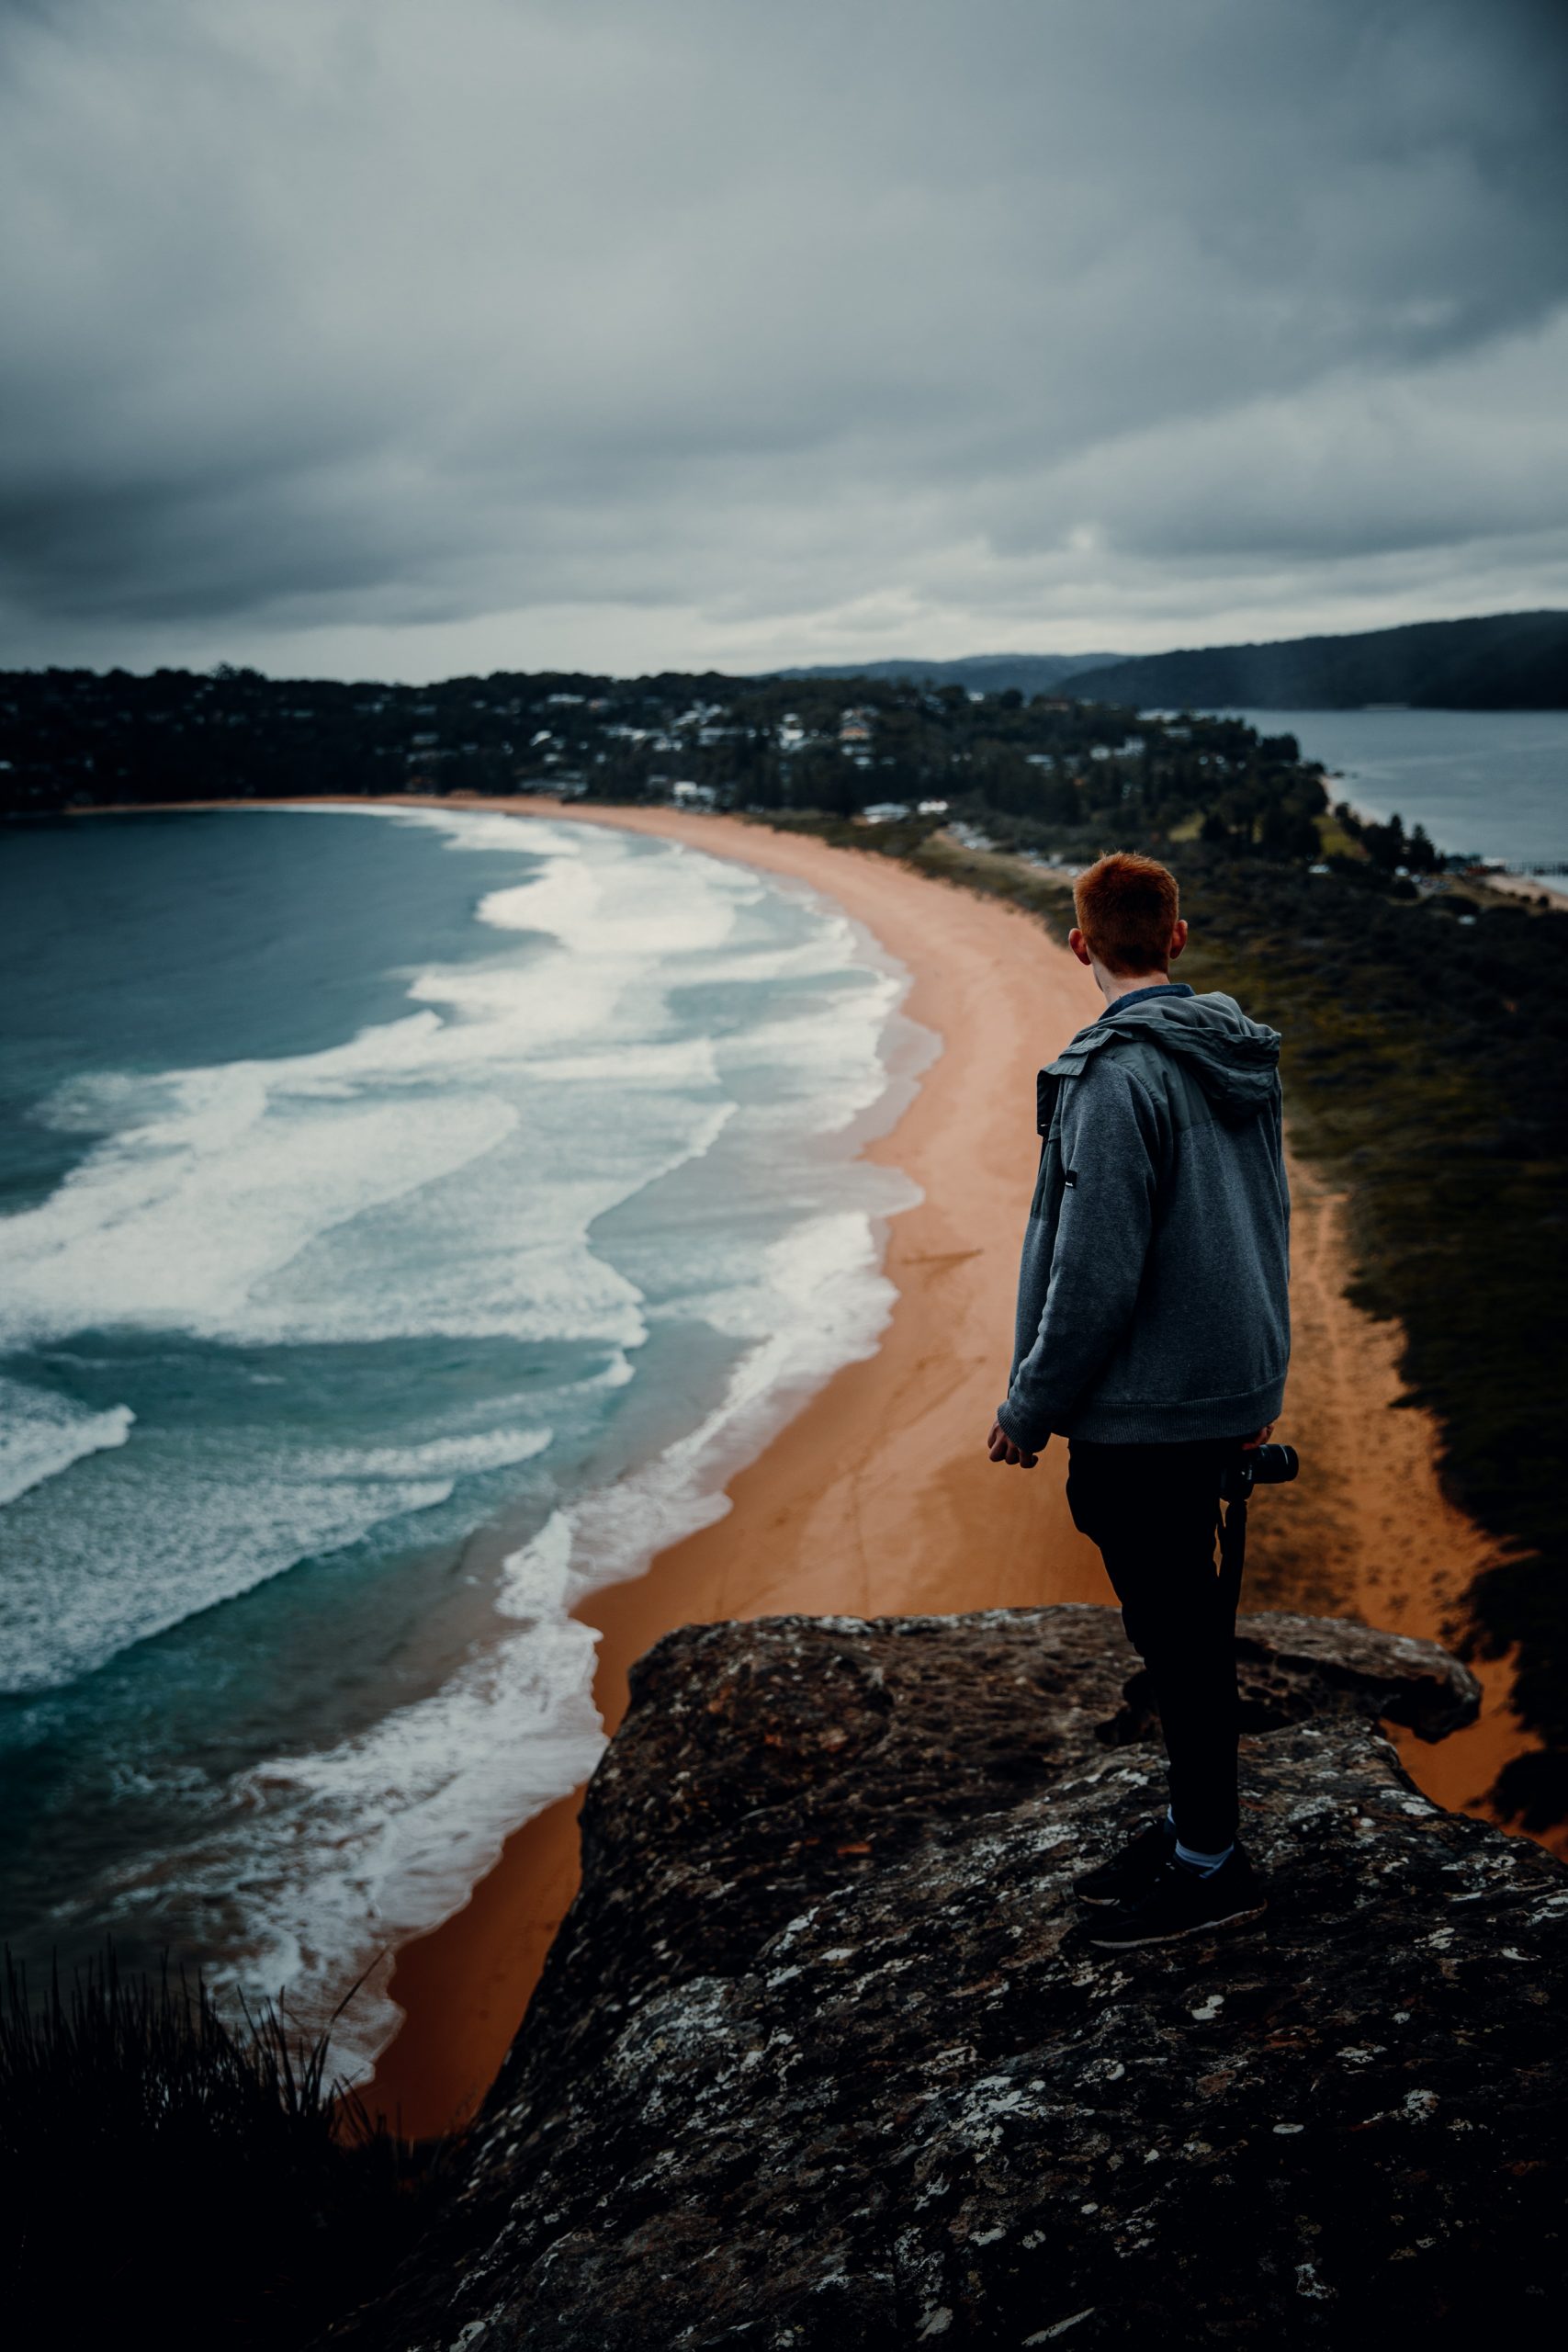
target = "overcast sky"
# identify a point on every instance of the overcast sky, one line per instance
(405, 337)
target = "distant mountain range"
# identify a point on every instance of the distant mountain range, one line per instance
(988, 673)
(1503, 662)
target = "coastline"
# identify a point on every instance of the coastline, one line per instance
(1527, 887)
(876, 1498)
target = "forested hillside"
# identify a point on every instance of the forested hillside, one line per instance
(1506, 662)
(74, 738)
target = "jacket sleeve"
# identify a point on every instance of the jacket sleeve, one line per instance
(1112, 1153)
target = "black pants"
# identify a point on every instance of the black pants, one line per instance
(1154, 1511)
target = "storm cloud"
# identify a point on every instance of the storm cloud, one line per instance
(378, 335)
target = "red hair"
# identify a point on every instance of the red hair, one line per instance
(1127, 908)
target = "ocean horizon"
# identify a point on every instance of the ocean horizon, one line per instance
(411, 1218)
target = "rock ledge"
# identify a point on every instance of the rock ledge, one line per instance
(821, 2058)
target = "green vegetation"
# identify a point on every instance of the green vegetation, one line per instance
(1505, 662)
(155, 2159)
(1425, 1060)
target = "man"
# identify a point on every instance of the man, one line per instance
(1154, 1333)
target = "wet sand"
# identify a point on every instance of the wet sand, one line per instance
(878, 1498)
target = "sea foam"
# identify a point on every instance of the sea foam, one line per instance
(637, 1118)
(414, 1811)
(42, 1434)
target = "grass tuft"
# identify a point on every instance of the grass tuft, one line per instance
(168, 2171)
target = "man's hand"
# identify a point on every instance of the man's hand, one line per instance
(1000, 1448)
(1260, 1437)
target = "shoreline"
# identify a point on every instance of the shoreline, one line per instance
(876, 1498)
(820, 1521)
(1523, 886)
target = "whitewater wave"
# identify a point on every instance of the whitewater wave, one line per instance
(42, 1434)
(242, 1202)
(161, 1541)
(415, 1810)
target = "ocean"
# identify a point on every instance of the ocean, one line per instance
(408, 1220)
(1489, 784)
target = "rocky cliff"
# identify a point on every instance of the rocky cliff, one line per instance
(822, 2058)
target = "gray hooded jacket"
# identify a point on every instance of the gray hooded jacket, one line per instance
(1152, 1298)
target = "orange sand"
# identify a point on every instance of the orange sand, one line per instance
(878, 1498)
(1519, 886)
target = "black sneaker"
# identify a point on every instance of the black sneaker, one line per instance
(1182, 1902)
(1132, 1872)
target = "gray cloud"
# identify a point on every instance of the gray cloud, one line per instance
(361, 333)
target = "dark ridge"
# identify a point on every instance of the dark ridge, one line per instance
(1505, 661)
(991, 674)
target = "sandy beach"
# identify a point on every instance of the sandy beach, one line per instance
(1524, 886)
(878, 1498)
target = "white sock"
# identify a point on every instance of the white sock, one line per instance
(1204, 1864)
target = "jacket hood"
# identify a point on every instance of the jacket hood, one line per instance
(1234, 1059)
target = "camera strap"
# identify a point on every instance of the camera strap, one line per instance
(1233, 1552)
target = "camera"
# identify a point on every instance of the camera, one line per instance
(1261, 1466)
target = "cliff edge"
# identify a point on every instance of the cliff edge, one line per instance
(822, 2059)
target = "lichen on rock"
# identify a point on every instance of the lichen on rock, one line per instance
(822, 2057)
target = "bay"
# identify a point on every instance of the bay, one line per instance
(1487, 784)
